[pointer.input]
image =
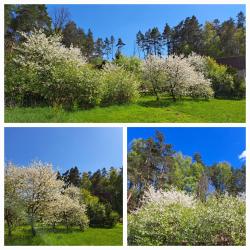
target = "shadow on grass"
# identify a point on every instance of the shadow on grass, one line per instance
(165, 102)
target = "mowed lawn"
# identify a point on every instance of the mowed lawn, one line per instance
(91, 237)
(147, 109)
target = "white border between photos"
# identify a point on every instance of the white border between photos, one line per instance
(123, 125)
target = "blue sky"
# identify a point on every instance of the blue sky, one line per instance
(86, 148)
(126, 20)
(214, 144)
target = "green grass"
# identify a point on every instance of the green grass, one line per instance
(45, 237)
(147, 109)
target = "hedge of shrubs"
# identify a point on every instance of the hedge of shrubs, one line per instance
(173, 218)
(42, 71)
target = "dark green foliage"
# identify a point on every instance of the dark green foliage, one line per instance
(101, 192)
(72, 177)
(152, 162)
(213, 39)
(225, 81)
(25, 18)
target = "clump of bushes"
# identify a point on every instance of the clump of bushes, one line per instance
(118, 85)
(170, 219)
(43, 71)
(100, 215)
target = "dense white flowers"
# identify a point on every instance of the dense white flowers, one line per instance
(42, 197)
(42, 52)
(178, 76)
(165, 198)
(173, 218)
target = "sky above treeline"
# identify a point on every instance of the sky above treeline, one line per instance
(126, 20)
(87, 148)
(214, 144)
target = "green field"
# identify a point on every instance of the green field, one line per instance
(147, 109)
(61, 237)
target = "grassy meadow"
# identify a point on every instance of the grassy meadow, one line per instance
(62, 237)
(146, 109)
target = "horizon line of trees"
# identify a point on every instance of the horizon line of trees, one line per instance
(105, 184)
(214, 38)
(27, 17)
(153, 162)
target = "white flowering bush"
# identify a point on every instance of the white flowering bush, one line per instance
(165, 198)
(180, 220)
(44, 69)
(41, 52)
(178, 76)
(118, 85)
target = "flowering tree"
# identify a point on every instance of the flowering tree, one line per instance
(184, 80)
(67, 209)
(13, 206)
(153, 72)
(42, 196)
(178, 76)
(40, 187)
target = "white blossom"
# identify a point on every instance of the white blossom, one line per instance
(41, 52)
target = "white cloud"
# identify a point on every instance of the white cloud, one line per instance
(243, 155)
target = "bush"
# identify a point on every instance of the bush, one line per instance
(130, 64)
(111, 217)
(21, 86)
(96, 213)
(219, 221)
(45, 70)
(118, 85)
(73, 86)
(222, 81)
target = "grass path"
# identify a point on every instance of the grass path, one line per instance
(91, 237)
(147, 109)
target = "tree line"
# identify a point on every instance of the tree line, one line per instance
(214, 38)
(28, 17)
(152, 162)
(104, 184)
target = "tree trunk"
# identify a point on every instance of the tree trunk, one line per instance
(156, 94)
(9, 230)
(33, 230)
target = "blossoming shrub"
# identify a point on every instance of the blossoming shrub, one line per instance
(118, 85)
(47, 70)
(73, 86)
(168, 218)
